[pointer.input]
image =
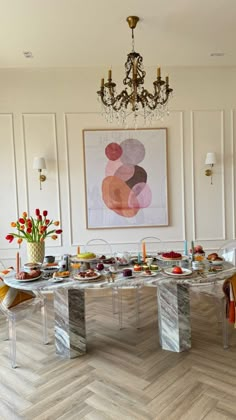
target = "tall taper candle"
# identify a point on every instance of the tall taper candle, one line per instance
(185, 247)
(144, 251)
(17, 262)
(78, 250)
(139, 258)
(192, 245)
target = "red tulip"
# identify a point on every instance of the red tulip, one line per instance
(47, 221)
(21, 220)
(58, 231)
(45, 213)
(37, 212)
(29, 230)
(39, 217)
(10, 238)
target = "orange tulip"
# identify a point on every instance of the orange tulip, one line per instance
(24, 214)
(54, 237)
(56, 223)
(13, 224)
(19, 240)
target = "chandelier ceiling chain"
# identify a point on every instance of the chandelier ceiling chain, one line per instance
(134, 100)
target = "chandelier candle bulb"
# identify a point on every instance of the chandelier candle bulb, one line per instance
(102, 83)
(109, 74)
(158, 72)
(167, 80)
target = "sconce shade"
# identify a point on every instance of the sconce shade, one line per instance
(210, 158)
(39, 163)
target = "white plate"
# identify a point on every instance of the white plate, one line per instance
(160, 258)
(153, 273)
(186, 272)
(57, 279)
(77, 277)
(34, 278)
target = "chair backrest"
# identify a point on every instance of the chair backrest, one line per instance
(153, 244)
(228, 252)
(99, 247)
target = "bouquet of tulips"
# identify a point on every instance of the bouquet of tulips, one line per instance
(34, 229)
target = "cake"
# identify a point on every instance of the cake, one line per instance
(127, 272)
(86, 256)
(137, 267)
(171, 256)
(154, 267)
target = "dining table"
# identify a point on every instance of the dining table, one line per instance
(173, 302)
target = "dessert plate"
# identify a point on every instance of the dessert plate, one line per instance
(185, 272)
(153, 274)
(78, 277)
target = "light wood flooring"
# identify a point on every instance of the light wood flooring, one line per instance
(125, 374)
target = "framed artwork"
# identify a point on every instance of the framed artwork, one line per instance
(125, 178)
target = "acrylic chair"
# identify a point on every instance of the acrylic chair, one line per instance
(20, 312)
(153, 245)
(214, 290)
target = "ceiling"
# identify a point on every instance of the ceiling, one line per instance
(75, 33)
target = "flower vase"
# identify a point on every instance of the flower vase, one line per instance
(35, 251)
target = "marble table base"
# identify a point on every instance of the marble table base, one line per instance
(70, 333)
(174, 316)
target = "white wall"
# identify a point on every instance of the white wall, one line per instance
(43, 113)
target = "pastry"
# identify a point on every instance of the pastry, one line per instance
(61, 274)
(137, 267)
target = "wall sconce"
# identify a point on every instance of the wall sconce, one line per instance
(210, 160)
(39, 164)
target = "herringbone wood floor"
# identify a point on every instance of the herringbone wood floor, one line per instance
(125, 374)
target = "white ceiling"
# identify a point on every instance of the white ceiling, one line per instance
(75, 33)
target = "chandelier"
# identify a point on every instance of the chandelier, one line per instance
(134, 100)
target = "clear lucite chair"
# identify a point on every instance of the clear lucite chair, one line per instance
(20, 312)
(153, 246)
(214, 291)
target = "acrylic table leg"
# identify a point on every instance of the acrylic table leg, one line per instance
(70, 331)
(174, 316)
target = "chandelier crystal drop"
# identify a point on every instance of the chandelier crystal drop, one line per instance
(134, 100)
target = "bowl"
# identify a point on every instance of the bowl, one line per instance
(217, 262)
(49, 259)
(32, 266)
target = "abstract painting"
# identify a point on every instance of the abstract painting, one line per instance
(125, 178)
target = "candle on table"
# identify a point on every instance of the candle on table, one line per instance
(139, 258)
(78, 250)
(185, 247)
(144, 251)
(192, 245)
(17, 262)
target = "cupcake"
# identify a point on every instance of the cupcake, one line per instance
(137, 267)
(127, 272)
(154, 267)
